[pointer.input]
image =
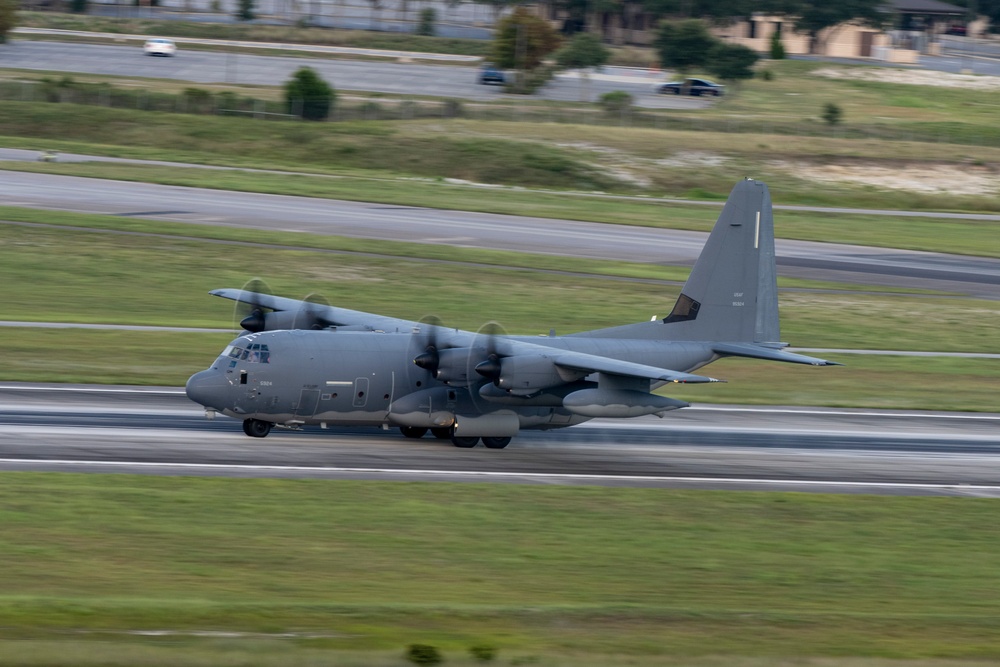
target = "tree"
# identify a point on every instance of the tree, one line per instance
(428, 17)
(731, 61)
(78, 6)
(308, 95)
(244, 10)
(8, 17)
(777, 46)
(523, 40)
(684, 45)
(583, 51)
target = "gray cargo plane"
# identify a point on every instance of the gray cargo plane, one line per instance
(303, 363)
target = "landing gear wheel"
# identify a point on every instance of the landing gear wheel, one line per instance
(496, 443)
(412, 431)
(464, 442)
(256, 428)
(441, 433)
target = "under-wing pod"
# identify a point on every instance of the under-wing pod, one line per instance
(428, 408)
(500, 424)
(618, 403)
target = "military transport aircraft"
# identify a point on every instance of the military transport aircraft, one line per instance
(301, 362)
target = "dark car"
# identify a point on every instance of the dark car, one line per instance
(694, 87)
(489, 74)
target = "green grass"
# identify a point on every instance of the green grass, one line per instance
(100, 276)
(559, 571)
(67, 274)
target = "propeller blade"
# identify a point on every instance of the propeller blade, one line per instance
(310, 315)
(427, 335)
(248, 314)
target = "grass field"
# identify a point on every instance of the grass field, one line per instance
(240, 572)
(529, 570)
(96, 274)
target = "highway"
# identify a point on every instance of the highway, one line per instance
(97, 429)
(887, 267)
(381, 76)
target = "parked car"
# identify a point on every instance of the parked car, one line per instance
(694, 87)
(159, 47)
(489, 74)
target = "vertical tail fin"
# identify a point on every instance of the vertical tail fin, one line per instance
(732, 292)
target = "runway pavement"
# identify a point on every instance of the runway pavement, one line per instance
(158, 431)
(886, 267)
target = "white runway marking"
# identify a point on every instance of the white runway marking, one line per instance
(792, 483)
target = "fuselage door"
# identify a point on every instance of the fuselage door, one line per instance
(360, 392)
(308, 400)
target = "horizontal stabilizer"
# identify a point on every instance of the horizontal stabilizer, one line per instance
(760, 352)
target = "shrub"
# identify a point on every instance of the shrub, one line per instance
(423, 654)
(777, 47)
(732, 61)
(766, 74)
(451, 108)
(308, 96)
(370, 110)
(832, 113)
(483, 653)
(245, 10)
(616, 101)
(428, 17)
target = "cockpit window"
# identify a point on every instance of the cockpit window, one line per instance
(255, 354)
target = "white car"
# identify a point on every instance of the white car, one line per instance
(159, 47)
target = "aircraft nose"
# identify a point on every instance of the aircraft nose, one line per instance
(208, 388)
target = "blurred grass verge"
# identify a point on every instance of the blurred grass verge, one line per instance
(559, 571)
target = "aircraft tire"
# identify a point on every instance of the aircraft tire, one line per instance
(256, 428)
(465, 443)
(441, 433)
(413, 431)
(496, 443)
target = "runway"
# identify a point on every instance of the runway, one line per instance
(977, 277)
(158, 431)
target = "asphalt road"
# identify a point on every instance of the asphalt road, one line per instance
(436, 80)
(158, 431)
(801, 259)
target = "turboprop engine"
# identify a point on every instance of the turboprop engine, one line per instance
(526, 375)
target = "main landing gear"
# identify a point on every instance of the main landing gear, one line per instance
(445, 433)
(256, 428)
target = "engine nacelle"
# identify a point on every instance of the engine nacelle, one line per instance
(528, 374)
(618, 403)
(455, 366)
(428, 408)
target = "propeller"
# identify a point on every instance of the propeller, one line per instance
(249, 314)
(430, 358)
(311, 314)
(490, 367)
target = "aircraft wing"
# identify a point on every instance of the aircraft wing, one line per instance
(593, 363)
(326, 316)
